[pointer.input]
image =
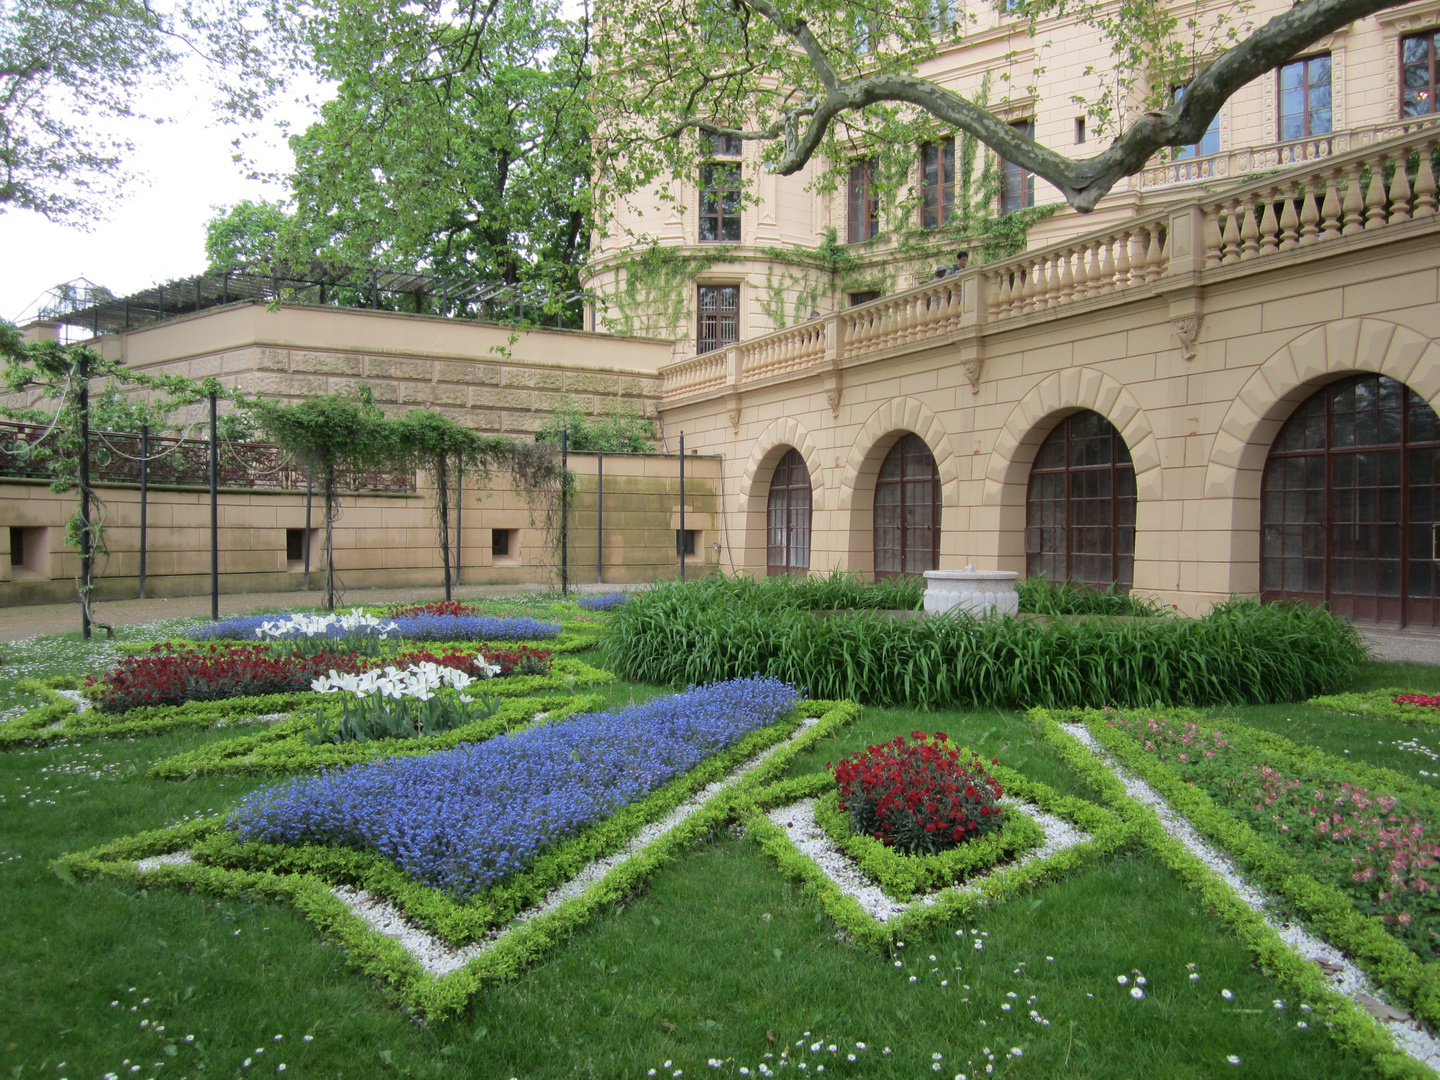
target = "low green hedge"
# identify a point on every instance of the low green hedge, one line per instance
(305, 875)
(1378, 705)
(574, 637)
(56, 718)
(284, 747)
(1350, 1025)
(1241, 653)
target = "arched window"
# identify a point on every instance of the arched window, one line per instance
(1350, 512)
(907, 510)
(788, 517)
(1080, 508)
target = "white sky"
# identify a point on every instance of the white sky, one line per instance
(156, 229)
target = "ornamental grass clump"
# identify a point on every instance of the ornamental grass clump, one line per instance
(919, 797)
(1041, 597)
(413, 702)
(463, 819)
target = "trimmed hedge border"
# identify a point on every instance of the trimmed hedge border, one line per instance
(1352, 1027)
(38, 726)
(1108, 833)
(901, 876)
(1377, 705)
(574, 637)
(283, 748)
(303, 876)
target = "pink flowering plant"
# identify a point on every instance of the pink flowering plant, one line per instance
(1380, 847)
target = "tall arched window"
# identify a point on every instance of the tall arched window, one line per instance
(1080, 508)
(1350, 512)
(788, 517)
(907, 510)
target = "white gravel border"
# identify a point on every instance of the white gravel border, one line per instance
(798, 823)
(439, 958)
(1411, 1036)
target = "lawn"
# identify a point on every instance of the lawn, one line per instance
(716, 963)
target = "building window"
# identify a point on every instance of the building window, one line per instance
(1209, 142)
(937, 183)
(787, 517)
(719, 203)
(1079, 129)
(1017, 183)
(864, 213)
(1080, 506)
(713, 144)
(858, 298)
(942, 16)
(1417, 74)
(907, 510)
(719, 316)
(1350, 504)
(1305, 98)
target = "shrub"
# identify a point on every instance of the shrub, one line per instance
(463, 819)
(918, 797)
(1041, 597)
(1241, 653)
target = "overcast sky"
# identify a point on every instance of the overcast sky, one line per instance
(156, 230)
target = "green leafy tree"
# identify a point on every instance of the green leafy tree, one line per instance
(829, 78)
(246, 236)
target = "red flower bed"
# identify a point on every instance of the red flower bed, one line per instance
(918, 797)
(171, 676)
(435, 607)
(521, 661)
(1429, 701)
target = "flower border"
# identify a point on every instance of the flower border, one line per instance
(387, 960)
(1377, 705)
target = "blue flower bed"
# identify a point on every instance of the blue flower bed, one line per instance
(409, 627)
(607, 602)
(463, 819)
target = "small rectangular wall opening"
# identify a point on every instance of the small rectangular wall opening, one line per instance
(504, 547)
(295, 548)
(29, 552)
(688, 542)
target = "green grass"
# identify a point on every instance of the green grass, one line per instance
(715, 955)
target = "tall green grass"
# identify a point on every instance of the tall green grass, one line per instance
(1041, 597)
(1241, 653)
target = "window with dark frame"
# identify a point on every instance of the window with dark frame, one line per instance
(864, 208)
(1017, 183)
(715, 144)
(719, 307)
(1305, 98)
(907, 510)
(720, 202)
(1080, 505)
(937, 183)
(787, 517)
(1209, 142)
(1417, 74)
(858, 298)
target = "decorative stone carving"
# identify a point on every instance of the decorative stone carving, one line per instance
(981, 593)
(1187, 329)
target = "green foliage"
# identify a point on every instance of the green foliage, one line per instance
(1241, 652)
(1041, 597)
(246, 236)
(618, 431)
(1378, 705)
(376, 717)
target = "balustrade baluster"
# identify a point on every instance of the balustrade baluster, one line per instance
(1330, 210)
(1353, 202)
(1155, 256)
(1231, 235)
(1213, 237)
(1067, 279)
(1269, 224)
(1107, 265)
(1400, 188)
(1289, 221)
(1122, 259)
(1032, 288)
(998, 301)
(1249, 231)
(1425, 181)
(1375, 215)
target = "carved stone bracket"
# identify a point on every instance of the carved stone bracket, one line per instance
(1187, 329)
(734, 411)
(972, 362)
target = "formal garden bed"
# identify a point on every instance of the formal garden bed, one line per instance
(597, 877)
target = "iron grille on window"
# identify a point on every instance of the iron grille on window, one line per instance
(864, 209)
(720, 203)
(719, 316)
(937, 183)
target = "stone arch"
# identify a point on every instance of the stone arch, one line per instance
(754, 488)
(1293, 373)
(1052, 399)
(1033, 418)
(895, 417)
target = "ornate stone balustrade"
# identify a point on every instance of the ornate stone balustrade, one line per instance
(1302, 209)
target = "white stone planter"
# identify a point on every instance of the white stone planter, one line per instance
(978, 592)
